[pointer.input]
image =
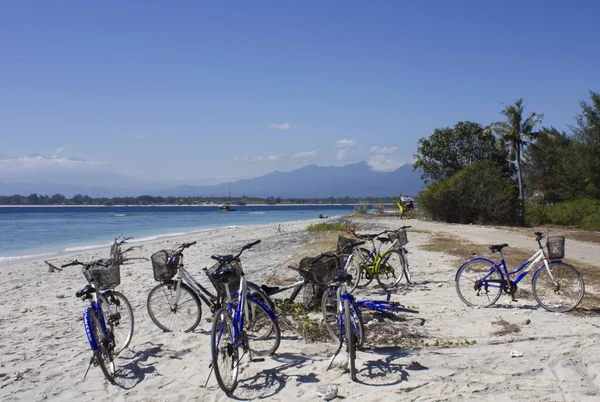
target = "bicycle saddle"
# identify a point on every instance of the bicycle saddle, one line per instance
(223, 275)
(85, 292)
(222, 258)
(497, 247)
(368, 236)
(269, 290)
(342, 276)
(384, 239)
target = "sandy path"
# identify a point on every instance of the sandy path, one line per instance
(44, 354)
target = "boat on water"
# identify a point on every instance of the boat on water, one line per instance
(226, 208)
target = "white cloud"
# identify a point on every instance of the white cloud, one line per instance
(383, 150)
(283, 126)
(139, 136)
(257, 159)
(345, 144)
(342, 155)
(305, 155)
(382, 163)
(40, 162)
(241, 159)
(58, 150)
(273, 158)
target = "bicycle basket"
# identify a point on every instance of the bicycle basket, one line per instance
(103, 277)
(323, 270)
(400, 235)
(556, 247)
(162, 265)
(343, 242)
(313, 293)
(232, 283)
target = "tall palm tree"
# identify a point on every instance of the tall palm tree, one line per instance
(515, 133)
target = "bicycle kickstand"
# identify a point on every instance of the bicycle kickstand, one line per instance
(209, 374)
(335, 355)
(89, 365)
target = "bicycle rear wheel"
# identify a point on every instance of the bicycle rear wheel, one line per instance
(169, 316)
(564, 293)
(479, 283)
(263, 333)
(355, 267)
(407, 273)
(350, 339)
(103, 354)
(331, 317)
(225, 354)
(390, 269)
(118, 316)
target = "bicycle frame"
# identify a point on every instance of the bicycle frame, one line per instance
(201, 291)
(95, 305)
(377, 256)
(534, 260)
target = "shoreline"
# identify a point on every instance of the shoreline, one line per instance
(181, 205)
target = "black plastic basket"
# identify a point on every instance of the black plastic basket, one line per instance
(102, 276)
(233, 283)
(164, 269)
(400, 235)
(313, 293)
(556, 247)
(321, 271)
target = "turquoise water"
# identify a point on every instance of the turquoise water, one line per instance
(37, 232)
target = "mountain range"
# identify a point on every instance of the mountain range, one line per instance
(312, 181)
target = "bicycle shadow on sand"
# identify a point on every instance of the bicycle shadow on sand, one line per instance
(137, 367)
(385, 371)
(269, 382)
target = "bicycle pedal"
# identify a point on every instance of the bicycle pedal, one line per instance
(258, 359)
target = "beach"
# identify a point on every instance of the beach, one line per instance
(462, 357)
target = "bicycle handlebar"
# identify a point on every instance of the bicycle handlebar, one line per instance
(72, 263)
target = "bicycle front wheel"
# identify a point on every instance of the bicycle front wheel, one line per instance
(169, 316)
(562, 294)
(331, 317)
(225, 355)
(350, 339)
(365, 261)
(479, 283)
(118, 316)
(103, 354)
(390, 269)
(263, 333)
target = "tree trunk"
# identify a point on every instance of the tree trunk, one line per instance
(521, 195)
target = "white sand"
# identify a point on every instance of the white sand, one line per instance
(44, 352)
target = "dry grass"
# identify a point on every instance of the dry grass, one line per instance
(507, 328)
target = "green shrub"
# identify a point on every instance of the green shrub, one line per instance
(536, 214)
(591, 222)
(327, 226)
(582, 213)
(477, 194)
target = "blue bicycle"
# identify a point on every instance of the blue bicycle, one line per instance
(108, 321)
(246, 322)
(343, 318)
(556, 286)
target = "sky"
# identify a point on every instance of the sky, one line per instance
(198, 92)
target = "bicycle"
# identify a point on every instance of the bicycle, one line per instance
(238, 323)
(347, 310)
(486, 280)
(388, 266)
(109, 319)
(175, 304)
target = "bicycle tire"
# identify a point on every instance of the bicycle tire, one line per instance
(166, 315)
(480, 268)
(331, 317)
(119, 319)
(223, 330)
(563, 274)
(388, 275)
(259, 318)
(363, 279)
(350, 339)
(102, 355)
(406, 268)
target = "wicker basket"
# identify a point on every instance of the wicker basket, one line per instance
(163, 266)
(400, 235)
(556, 247)
(103, 277)
(233, 283)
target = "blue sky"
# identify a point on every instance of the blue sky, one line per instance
(201, 92)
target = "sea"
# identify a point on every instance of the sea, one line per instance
(43, 232)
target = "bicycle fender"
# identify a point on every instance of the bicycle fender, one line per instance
(468, 261)
(267, 310)
(87, 322)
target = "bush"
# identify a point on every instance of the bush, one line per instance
(591, 222)
(477, 194)
(326, 226)
(583, 213)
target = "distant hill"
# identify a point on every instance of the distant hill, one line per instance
(354, 180)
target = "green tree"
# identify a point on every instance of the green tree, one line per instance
(449, 150)
(515, 133)
(587, 133)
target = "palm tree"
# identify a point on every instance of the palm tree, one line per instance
(515, 133)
